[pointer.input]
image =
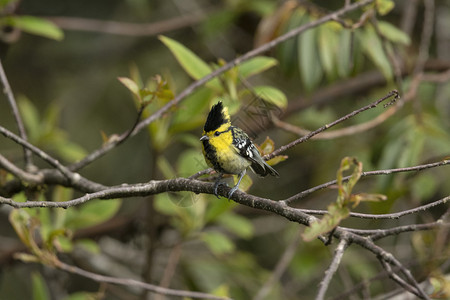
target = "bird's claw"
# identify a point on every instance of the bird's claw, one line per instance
(216, 186)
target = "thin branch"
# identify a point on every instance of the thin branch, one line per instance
(197, 84)
(280, 268)
(135, 283)
(19, 173)
(406, 286)
(15, 110)
(376, 234)
(338, 253)
(108, 145)
(347, 131)
(125, 28)
(374, 104)
(307, 192)
(396, 215)
(52, 161)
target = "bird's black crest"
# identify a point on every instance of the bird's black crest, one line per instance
(216, 117)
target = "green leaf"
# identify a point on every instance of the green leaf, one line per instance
(36, 26)
(256, 65)
(328, 222)
(343, 53)
(276, 160)
(217, 242)
(92, 213)
(131, 85)
(271, 95)
(345, 188)
(89, 245)
(164, 205)
(40, 290)
(31, 118)
(373, 48)
(309, 60)
(393, 34)
(328, 44)
(191, 63)
(384, 6)
(287, 51)
(237, 224)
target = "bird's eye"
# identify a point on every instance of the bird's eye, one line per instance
(217, 133)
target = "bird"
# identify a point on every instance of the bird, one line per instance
(229, 150)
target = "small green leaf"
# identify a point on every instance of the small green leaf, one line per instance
(328, 222)
(36, 26)
(287, 51)
(271, 95)
(384, 6)
(40, 289)
(191, 63)
(393, 34)
(131, 85)
(256, 65)
(92, 213)
(27, 258)
(31, 118)
(343, 53)
(89, 245)
(309, 60)
(373, 48)
(217, 242)
(237, 224)
(328, 44)
(276, 160)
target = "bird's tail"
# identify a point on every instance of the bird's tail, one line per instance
(264, 169)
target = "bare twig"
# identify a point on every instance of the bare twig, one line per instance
(169, 271)
(73, 177)
(374, 104)
(396, 215)
(195, 85)
(338, 253)
(366, 174)
(124, 28)
(376, 234)
(19, 173)
(326, 135)
(135, 283)
(12, 103)
(108, 145)
(280, 268)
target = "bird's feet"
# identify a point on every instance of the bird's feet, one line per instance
(216, 186)
(230, 193)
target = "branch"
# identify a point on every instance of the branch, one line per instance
(374, 104)
(305, 193)
(12, 102)
(124, 28)
(73, 177)
(136, 283)
(108, 145)
(195, 85)
(280, 268)
(338, 253)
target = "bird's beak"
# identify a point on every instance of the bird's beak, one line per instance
(204, 138)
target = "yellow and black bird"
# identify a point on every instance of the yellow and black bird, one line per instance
(229, 150)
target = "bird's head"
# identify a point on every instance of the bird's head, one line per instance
(217, 122)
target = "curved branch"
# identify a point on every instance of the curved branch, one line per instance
(136, 283)
(305, 193)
